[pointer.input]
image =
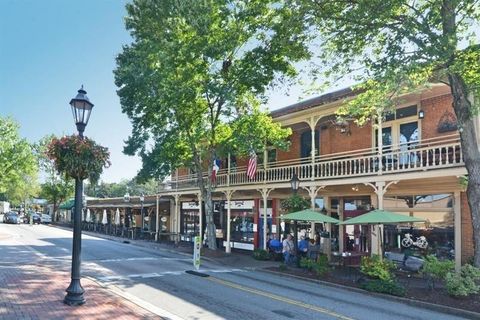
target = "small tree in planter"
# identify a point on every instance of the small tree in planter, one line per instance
(78, 158)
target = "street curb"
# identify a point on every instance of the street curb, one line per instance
(164, 314)
(427, 305)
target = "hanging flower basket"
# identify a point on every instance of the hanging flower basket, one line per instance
(78, 158)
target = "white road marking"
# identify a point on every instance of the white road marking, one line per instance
(140, 259)
(162, 274)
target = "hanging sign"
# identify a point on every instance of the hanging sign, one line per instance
(196, 252)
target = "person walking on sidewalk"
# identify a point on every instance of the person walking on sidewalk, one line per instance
(288, 249)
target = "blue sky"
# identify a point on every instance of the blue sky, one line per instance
(51, 47)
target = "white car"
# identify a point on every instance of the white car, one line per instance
(45, 218)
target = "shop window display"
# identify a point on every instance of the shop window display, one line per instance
(434, 236)
(242, 226)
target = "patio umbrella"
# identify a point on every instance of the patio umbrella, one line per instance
(306, 215)
(378, 217)
(88, 219)
(117, 217)
(104, 219)
(309, 215)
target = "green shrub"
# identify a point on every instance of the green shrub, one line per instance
(260, 254)
(435, 269)
(463, 283)
(382, 286)
(321, 267)
(376, 268)
(307, 263)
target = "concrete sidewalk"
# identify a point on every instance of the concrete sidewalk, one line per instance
(37, 292)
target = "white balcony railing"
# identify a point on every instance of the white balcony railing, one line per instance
(430, 154)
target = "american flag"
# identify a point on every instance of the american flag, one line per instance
(252, 166)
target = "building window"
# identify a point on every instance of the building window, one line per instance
(271, 157)
(438, 227)
(306, 143)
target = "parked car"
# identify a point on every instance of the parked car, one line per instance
(11, 217)
(36, 218)
(45, 218)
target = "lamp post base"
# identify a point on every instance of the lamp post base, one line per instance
(74, 295)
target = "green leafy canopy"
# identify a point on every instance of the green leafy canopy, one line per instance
(192, 79)
(17, 161)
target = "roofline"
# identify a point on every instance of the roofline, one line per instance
(316, 101)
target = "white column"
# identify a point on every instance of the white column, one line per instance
(380, 143)
(228, 195)
(312, 224)
(457, 209)
(341, 227)
(177, 217)
(327, 249)
(265, 199)
(377, 234)
(157, 223)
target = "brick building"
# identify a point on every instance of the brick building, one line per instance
(412, 167)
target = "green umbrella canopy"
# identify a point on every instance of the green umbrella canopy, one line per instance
(309, 215)
(69, 204)
(381, 217)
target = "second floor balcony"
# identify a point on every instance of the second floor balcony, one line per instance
(432, 154)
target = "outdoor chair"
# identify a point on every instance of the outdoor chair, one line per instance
(275, 249)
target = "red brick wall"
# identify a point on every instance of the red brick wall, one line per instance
(467, 229)
(333, 141)
(294, 151)
(434, 109)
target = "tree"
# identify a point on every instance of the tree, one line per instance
(57, 187)
(118, 189)
(395, 46)
(195, 71)
(17, 162)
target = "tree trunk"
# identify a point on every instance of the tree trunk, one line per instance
(206, 191)
(471, 153)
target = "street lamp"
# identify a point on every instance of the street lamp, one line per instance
(126, 199)
(294, 183)
(81, 109)
(142, 198)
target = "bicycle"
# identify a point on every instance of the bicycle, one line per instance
(420, 242)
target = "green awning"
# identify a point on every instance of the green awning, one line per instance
(67, 205)
(381, 217)
(309, 215)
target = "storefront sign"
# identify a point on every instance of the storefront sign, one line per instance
(197, 243)
(240, 204)
(190, 205)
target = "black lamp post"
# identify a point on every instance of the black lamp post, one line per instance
(126, 199)
(142, 199)
(295, 183)
(81, 109)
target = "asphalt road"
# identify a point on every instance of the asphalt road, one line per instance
(157, 279)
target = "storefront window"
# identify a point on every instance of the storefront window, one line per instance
(419, 201)
(433, 236)
(242, 226)
(190, 222)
